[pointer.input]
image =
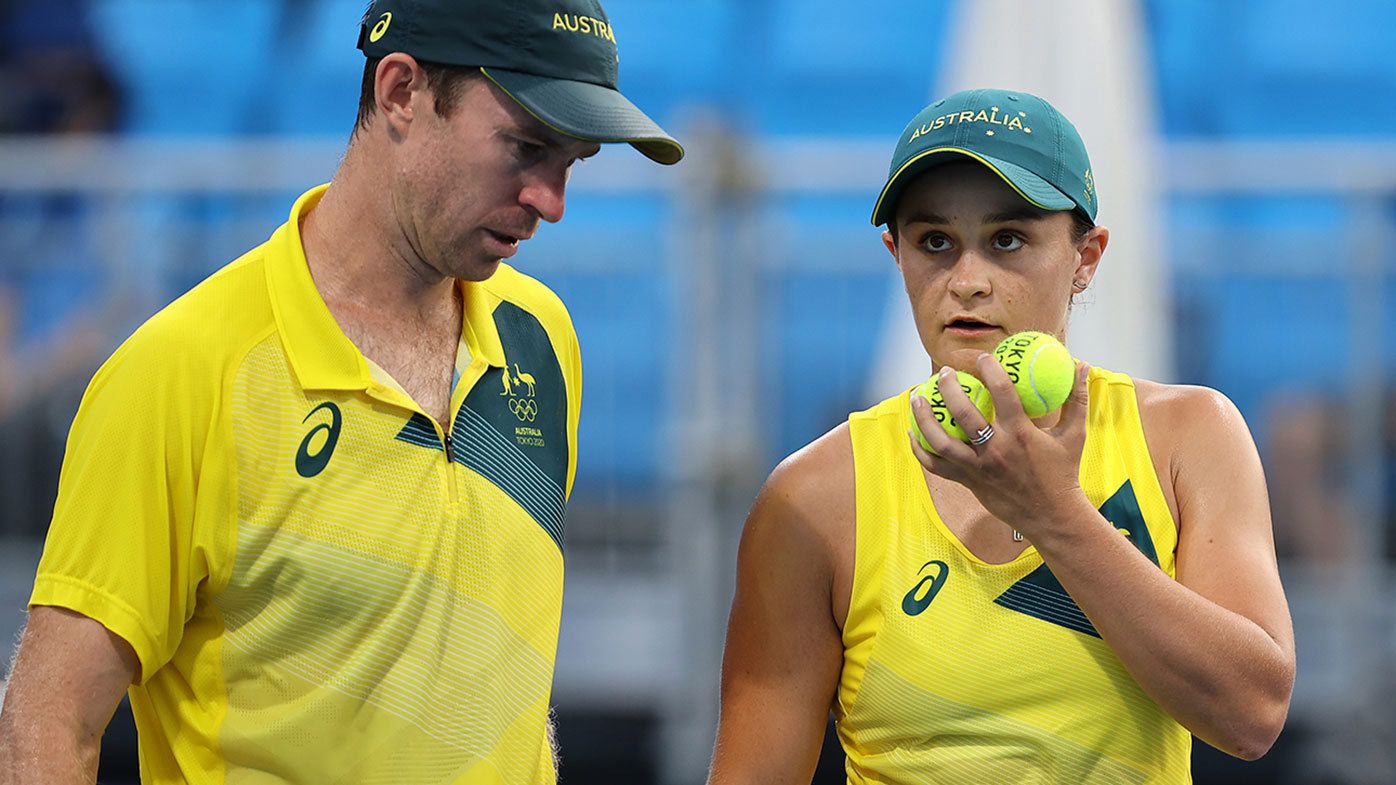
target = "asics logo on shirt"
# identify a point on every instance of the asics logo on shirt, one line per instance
(309, 464)
(928, 587)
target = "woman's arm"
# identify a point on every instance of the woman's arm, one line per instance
(784, 646)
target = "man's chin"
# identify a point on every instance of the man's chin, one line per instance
(477, 267)
(483, 271)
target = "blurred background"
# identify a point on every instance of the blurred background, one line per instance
(737, 306)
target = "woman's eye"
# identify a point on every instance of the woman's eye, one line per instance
(936, 242)
(1007, 241)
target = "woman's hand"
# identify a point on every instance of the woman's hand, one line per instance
(1024, 474)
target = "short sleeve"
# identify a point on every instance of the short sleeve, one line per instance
(123, 547)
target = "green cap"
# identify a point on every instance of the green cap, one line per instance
(557, 59)
(1021, 137)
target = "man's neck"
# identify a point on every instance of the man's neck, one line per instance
(359, 258)
(397, 310)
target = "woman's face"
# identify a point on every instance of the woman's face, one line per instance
(980, 263)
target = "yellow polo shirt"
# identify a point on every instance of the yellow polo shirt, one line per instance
(322, 583)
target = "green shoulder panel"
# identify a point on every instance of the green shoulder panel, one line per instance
(512, 427)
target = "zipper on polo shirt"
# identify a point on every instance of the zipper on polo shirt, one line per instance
(399, 398)
(450, 469)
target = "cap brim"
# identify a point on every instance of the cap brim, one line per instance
(587, 111)
(1034, 189)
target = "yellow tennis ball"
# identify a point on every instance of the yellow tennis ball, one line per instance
(1041, 369)
(978, 395)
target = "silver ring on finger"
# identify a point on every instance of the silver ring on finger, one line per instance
(983, 435)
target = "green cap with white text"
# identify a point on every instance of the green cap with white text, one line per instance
(1019, 136)
(557, 58)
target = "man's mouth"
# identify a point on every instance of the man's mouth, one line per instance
(506, 239)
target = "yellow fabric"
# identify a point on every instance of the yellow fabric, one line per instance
(959, 671)
(321, 583)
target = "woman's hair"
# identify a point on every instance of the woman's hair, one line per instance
(447, 83)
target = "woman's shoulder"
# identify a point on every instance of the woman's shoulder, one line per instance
(1191, 428)
(818, 478)
(1183, 409)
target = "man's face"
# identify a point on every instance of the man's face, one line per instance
(980, 263)
(476, 183)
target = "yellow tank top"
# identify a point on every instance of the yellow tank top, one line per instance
(959, 671)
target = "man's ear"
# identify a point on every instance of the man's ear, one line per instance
(398, 79)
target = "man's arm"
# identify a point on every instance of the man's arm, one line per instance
(1215, 648)
(68, 678)
(784, 647)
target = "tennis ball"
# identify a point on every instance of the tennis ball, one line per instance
(978, 395)
(1041, 369)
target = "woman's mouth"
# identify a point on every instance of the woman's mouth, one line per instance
(969, 327)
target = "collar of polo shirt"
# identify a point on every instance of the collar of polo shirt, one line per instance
(322, 355)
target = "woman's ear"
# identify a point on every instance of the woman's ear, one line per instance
(889, 240)
(1088, 253)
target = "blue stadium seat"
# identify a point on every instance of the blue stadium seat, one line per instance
(675, 54)
(816, 67)
(190, 66)
(621, 319)
(1275, 68)
(319, 69)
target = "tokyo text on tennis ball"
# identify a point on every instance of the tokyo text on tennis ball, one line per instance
(1041, 369)
(974, 389)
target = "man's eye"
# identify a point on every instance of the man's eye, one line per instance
(527, 150)
(1007, 241)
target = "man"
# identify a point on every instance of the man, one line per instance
(311, 513)
(1061, 601)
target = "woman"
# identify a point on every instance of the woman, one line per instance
(1063, 601)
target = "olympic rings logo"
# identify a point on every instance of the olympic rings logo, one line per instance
(524, 408)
